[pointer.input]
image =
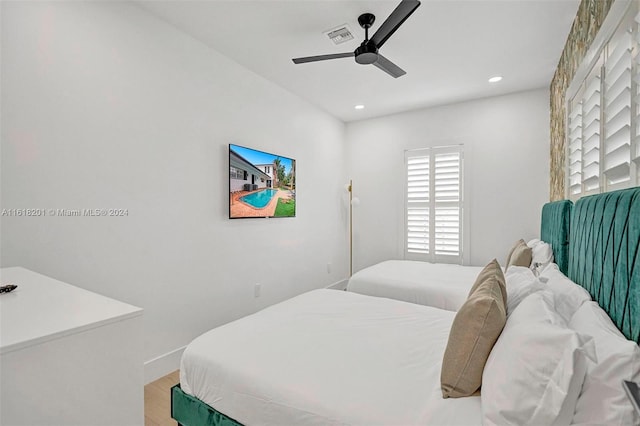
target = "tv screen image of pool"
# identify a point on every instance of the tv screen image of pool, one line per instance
(260, 184)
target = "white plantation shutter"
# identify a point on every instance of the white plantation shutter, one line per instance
(591, 133)
(575, 148)
(418, 204)
(603, 114)
(447, 173)
(434, 204)
(617, 110)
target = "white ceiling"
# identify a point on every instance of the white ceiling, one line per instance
(449, 48)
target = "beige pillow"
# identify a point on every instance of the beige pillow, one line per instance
(520, 255)
(491, 269)
(519, 242)
(475, 329)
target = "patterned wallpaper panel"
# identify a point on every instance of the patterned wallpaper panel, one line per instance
(591, 14)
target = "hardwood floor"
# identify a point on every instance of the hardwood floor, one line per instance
(157, 401)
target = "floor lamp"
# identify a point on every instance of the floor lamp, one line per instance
(353, 201)
(350, 189)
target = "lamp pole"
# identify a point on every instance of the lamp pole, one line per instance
(350, 227)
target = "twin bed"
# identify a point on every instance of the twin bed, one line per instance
(327, 357)
(440, 285)
(335, 357)
(447, 286)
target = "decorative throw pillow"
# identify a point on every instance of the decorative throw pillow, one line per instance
(520, 255)
(513, 248)
(492, 269)
(475, 329)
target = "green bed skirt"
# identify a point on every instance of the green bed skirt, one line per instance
(190, 411)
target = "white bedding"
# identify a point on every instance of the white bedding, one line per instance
(440, 285)
(328, 357)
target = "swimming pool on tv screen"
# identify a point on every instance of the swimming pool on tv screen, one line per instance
(259, 199)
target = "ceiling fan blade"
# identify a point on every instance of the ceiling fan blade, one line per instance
(393, 22)
(322, 57)
(389, 67)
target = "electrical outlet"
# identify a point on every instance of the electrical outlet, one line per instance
(256, 290)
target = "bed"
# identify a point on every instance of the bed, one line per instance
(447, 286)
(441, 285)
(371, 364)
(333, 357)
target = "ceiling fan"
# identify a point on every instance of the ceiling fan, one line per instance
(367, 52)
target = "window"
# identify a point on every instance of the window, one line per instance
(235, 173)
(603, 112)
(434, 204)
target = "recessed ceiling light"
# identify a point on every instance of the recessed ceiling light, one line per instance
(495, 79)
(359, 107)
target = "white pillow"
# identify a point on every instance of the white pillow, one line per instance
(603, 401)
(541, 255)
(536, 369)
(520, 282)
(535, 308)
(568, 295)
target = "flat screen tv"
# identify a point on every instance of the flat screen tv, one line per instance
(260, 184)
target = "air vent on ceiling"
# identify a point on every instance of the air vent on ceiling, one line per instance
(340, 34)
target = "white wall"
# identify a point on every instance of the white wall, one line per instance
(506, 160)
(105, 106)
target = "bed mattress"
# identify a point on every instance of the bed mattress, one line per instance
(441, 285)
(328, 357)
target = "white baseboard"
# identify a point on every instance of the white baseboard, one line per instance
(162, 365)
(340, 285)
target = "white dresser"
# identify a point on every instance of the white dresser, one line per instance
(68, 356)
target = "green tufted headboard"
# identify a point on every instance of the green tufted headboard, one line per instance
(554, 229)
(604, 255)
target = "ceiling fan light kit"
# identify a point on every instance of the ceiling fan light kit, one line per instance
(368, 51)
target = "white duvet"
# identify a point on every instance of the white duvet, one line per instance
(441, 285)
(328, 357)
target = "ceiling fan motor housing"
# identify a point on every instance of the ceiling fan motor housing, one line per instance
(366, 53)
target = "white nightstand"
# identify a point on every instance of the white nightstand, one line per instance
(68, 356)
